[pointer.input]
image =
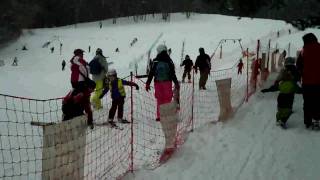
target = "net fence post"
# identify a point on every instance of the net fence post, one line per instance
(131, 112)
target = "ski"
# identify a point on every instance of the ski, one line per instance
(111, 125)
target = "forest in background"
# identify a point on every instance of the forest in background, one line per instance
(19, 14)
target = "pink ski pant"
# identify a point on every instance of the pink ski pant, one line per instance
(163, 93)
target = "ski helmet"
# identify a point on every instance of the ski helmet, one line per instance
(112, 72)
(161, 48)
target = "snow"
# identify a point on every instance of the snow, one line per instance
(249, 146)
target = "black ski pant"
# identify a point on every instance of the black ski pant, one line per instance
(185, 73)
(116, 104)
(311, 103)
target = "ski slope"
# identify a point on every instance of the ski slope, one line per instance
(39, 70)
(249, 146)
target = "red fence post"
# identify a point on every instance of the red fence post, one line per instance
(131, 142)
(192, 103)
(247, 75)
(258, 48)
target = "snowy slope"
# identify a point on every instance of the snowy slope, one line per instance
(249, 146)
(39, 71)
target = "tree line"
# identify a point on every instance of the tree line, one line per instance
(18, 14)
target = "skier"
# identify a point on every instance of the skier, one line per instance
(282, 57)
(63, 64)
(118, 95)
(15, 61)
(286, 83)
(308, 66)
(187, 63)
(163, 72)
(240, 66)
(75, 102)
(52, 49)
(79, 70)
(98, 69)
(204, 65)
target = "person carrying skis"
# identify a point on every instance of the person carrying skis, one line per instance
(204, 65)
(118, 95)
(240, 66)
(79, 70)
(76, 102)
(98, 70)
(187, 63)
(308, 65)
(286, 83)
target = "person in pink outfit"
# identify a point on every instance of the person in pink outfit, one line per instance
(162, 70)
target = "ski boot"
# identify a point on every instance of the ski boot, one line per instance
(123, 121)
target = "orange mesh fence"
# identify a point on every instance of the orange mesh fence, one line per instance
(67, 149)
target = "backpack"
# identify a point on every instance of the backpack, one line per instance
(162, 71)
(70, 109)
(95, 66)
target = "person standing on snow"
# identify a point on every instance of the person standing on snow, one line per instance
(63, 64)
(163, 72)
(79, 70)
(308, 64)
(98, 69)
(204, 65)
(118, 95)
(187, 63)
(240, 66)
(286, 83)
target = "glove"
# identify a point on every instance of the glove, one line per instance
(137, 87)
(147, 87)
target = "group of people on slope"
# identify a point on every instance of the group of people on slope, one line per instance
(78, 99)
(202, 63)
(304, 69)
(162, 71)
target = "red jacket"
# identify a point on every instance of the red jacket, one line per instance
(73, 105)
(311, 64)
(79, 69)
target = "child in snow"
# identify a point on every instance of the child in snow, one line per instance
(286, 83)
(118, 95)
(187, 63)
